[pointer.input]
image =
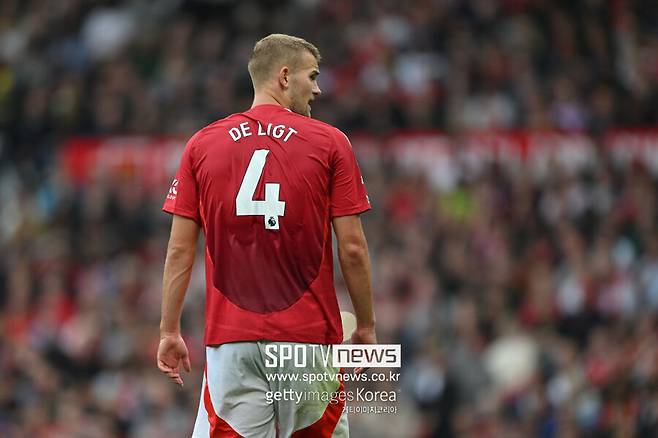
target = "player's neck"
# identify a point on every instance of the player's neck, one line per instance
(268, 99)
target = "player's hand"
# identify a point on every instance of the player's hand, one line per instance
(172, 351)
(363, 336)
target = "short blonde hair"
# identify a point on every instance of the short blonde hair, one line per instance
(276, 50)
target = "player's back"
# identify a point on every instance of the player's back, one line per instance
(267, 183)
(264, 186)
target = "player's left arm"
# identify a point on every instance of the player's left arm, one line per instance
(172, 351)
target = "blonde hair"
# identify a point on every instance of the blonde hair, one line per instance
(277, 50)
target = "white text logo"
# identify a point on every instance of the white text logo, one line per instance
(371, 356)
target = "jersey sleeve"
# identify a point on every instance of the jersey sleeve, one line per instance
(348, 191)
(183, 196)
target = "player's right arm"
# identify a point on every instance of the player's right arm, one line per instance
(183, 202)
(355, 266)
(172, 351)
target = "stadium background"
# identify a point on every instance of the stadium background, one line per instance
(509, 148)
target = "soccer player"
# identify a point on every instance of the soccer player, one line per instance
(266, 186)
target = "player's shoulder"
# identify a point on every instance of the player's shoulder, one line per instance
(325, 128)
(339, 137)
(319, 124)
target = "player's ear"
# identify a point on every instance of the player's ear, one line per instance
(284, 77)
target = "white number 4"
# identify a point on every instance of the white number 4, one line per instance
(271, 208)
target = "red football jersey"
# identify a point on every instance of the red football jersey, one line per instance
(264, 185)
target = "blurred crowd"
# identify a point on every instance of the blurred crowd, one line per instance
(525, 306)
(109, 67)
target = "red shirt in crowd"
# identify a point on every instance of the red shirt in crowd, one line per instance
(264, 185)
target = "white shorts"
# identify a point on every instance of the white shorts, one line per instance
(241, 397)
